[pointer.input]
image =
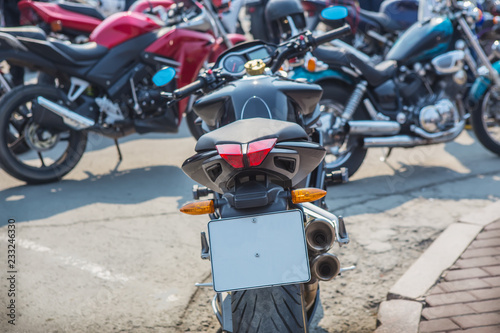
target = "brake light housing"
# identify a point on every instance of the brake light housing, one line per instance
(251, 154)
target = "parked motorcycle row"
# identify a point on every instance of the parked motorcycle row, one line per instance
(276, 119)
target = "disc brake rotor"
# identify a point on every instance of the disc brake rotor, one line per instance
(39, 139)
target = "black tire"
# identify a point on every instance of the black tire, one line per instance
(275, 309)
(62, 150)
(334, 99)
(486, 123)
(194, 128)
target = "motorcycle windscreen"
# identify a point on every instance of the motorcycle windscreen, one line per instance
(258, 251)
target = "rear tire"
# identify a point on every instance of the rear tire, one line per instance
(194, 128)
(53, 153)
(486, 123)
(351, 153)
(275, 309)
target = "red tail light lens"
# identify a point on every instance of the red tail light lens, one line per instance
(258, 150)
(232, 154)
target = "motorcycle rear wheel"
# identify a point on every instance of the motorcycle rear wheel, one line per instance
(53, 153)
(486, 123)
(275, 309)
(347, 152)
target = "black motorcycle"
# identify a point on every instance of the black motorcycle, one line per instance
(262, 162)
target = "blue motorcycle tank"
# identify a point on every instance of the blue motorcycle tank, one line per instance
(404, 12)
(422, 41)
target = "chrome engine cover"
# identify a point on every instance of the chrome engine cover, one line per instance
(439, 116)
(449, 63)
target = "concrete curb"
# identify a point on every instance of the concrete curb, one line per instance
(402, 310)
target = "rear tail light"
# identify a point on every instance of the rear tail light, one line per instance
(256, 153)
(232, 154)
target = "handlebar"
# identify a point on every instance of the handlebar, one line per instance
(295, 47)
(305, 42)
(331, 35)
(189, 89)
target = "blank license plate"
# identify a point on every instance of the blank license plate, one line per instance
(258, 251)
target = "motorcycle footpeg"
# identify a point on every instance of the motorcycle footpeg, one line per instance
(201, 191)
(205, 249)
(345, 269)
(342, 229)
(338, 177)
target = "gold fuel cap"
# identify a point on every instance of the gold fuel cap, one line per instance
(255, 67)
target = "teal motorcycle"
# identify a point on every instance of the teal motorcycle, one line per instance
(431, 81)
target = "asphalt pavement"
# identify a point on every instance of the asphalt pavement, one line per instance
(106, 249)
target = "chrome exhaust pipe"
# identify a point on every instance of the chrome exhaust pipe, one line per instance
(320, 235)
(325, 267)
(393, 142)
(70, 118)
(370, 127)
(406, 141)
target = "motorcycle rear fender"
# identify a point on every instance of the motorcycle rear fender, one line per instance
(52, 12)
(26, 59)
(480, 87)
(8, 41)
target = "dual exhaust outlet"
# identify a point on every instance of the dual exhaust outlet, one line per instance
(320, 235)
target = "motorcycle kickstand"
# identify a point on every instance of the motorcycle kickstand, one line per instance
(386, 156)
(120, 157)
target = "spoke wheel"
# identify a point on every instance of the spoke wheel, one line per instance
(486, 123)
(342, 151)
(53, 152)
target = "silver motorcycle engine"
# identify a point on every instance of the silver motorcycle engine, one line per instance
(438, 117)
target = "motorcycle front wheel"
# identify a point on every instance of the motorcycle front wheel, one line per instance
(342, 151)
(275, 309)
(53, 153)
(486, 123)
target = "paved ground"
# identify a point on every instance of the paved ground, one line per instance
(107, 250)
(467, 297)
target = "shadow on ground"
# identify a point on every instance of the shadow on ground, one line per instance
(120, 187)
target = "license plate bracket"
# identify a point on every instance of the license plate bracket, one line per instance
(258, 251)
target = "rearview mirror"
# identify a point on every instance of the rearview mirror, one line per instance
(334, 13)
(164, 76)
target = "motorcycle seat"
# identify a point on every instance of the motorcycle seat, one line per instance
(27, 31)
(375, 75)
(381, 19)
(82, 9)
(332, 56)
(248, 130)
(81, 52)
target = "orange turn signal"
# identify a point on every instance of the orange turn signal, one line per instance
(56, 26)
(307, 195)
(311, 65)
(198, 207)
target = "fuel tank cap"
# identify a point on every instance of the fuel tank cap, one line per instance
(255, 67)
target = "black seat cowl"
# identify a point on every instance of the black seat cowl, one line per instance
(332, 56)
(249, 130)
(81, 52)
(381, 19)
(82, 9)
(375, 75)
(26, 31)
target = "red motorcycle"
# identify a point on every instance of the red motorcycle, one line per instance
(104, 86)
(69, 20)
